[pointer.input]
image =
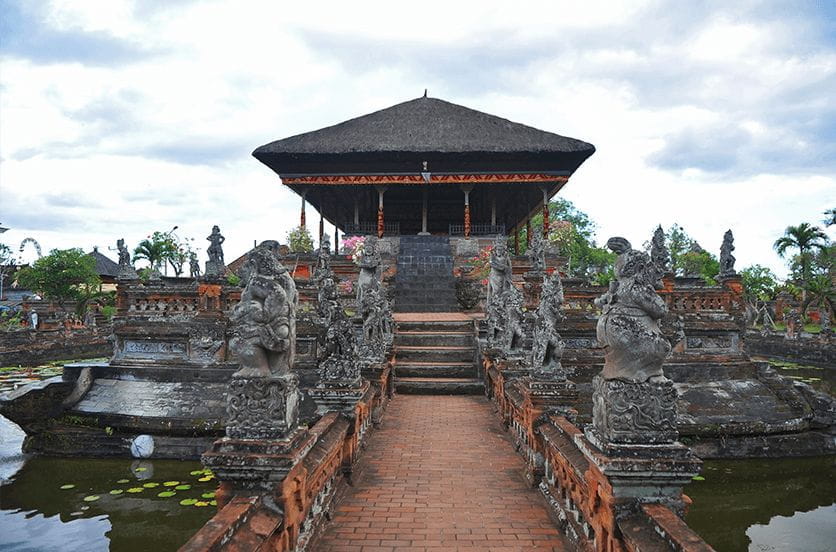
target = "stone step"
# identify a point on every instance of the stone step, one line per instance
(439, 386)
(440, 325)
(435, 354)
(432, 370)
(426, 284)
(449, 339)
(423, 307)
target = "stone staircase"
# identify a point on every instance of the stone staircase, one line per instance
(424, 281)
(436, 357)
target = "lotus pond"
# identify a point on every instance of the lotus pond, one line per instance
(75, 504)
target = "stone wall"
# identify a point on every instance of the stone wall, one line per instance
(33, 347)
(814, 350)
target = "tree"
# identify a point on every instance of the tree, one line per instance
(164, 247)
(806, 239)
(63, 275)
(830, 217)
(300, 240)
(7, 266)
(759, 283)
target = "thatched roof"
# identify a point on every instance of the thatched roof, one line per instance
(104, 266)
(447, 136)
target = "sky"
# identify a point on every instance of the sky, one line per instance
(120, 117)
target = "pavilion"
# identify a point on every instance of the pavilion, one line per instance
(426, 166)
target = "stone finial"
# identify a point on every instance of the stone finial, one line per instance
(126, 269)
(547, 348)
(726, 257)
(264, 321)
(629, 325)
(659, 253)
(215, 266)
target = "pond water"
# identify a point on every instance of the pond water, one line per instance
(766, 505)
(37, 514)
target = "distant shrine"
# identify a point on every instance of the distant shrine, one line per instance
(426, 166)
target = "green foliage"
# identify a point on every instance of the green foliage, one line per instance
(63, 275)
(109, 311)
(233, 279)
(702, 263)
(759, 283)
(9, 323)
(164, 247)
(300, 240)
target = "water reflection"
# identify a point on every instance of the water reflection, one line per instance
(758, 505)
(36, 514)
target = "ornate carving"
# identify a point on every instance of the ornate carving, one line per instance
(468, 290)
(378, 323)
(547, 349)
(505, 322)
(341, 364)
(501, 275)
(659, 253)
(264, 321)
(369, 263)
(630, 412)
(194, 265)
(420, 180)
(126, 269)
(726, 257)
(537, 253)
(327, 300)
(634, 347)
(262, 407)
(323, 260)
(215, 265)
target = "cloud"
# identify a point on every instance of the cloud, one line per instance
(28, 34)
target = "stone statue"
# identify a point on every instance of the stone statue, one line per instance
(264, 321)
(340, 366)
(327, 300)
(126, 269)
(378, 324)
(793, 321)
(628, 330)
(659, 253)
(726, 257)
(215, 265)
(194, 265)
(824, 322)
(501, 275)
(537, 253)
(323, 260)
(369, 264)
(547, 349)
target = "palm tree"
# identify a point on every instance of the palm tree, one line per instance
(153, 251)
(804, 238)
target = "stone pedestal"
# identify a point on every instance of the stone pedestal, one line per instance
(551, 395)
(632, 441)
(532, 288)
(263, 441)
(332, 396)
(214, 269)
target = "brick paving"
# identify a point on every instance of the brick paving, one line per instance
(440, 474)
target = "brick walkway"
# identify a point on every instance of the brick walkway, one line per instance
(440, 474)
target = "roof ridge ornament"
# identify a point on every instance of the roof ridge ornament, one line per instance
(425, 92)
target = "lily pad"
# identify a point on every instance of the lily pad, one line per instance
(91, 498)
(166, 494)
(208, 495)
(187, 501)
(124, 481)
(67, 486)
(183, 487)
(150, 485)
(171, 483)
(196, 472)
(140, 469)
(207, 478)
(201, 503)
(116, 492)
(698, 478)
(135, 490)
(213, 503)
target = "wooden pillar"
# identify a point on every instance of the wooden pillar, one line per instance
(321, 227)
(336, 240)
(528, 233)
(356, 212)
(516, 241)
(424, 213)
(545, 212)
(302, 212)
(493, 208)
(380, 220)
(467, 189)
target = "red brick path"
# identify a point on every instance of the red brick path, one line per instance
(440, 474)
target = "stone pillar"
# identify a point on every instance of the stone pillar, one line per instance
(380, 220)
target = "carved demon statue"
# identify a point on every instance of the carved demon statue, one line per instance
(547, 349)
(264, 321)
(634, 347)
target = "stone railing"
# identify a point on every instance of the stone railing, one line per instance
(572, 474)
(175, 299)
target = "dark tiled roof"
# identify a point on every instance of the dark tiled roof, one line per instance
(449, 136)
(104, 266)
